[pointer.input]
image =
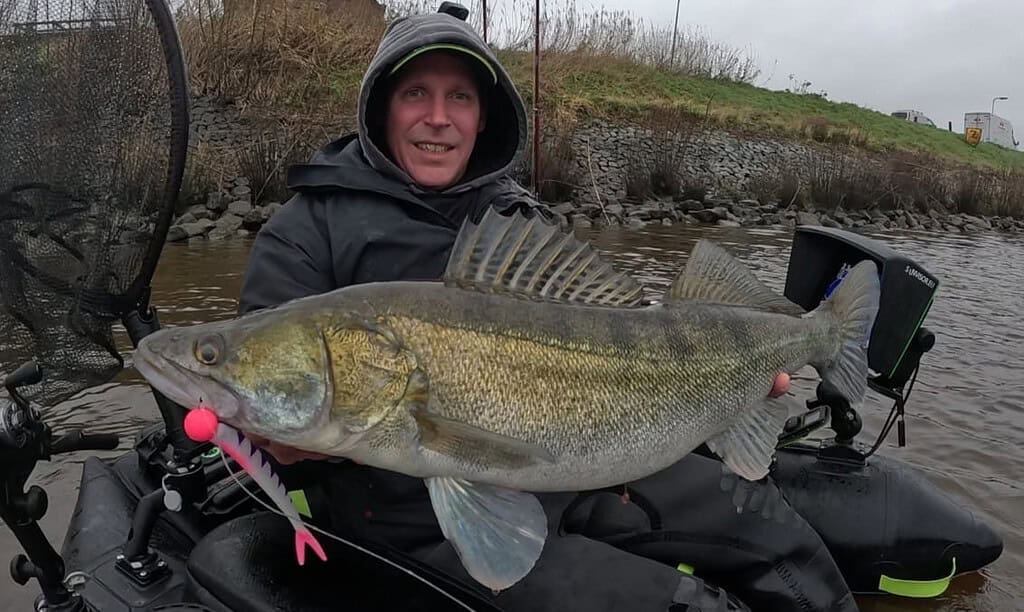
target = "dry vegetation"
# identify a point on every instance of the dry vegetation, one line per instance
(293, 67)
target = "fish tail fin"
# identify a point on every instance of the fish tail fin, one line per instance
(851, 309)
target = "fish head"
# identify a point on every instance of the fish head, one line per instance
(314, 378)
(265, 374)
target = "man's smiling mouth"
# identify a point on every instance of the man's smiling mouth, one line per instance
(433, 147)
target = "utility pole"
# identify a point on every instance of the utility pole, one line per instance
(675, 32)
(484, 2)
(988, 132)
(536, 99)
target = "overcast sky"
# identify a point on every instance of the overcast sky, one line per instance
(942, 57)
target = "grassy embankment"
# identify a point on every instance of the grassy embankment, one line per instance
(297, 65)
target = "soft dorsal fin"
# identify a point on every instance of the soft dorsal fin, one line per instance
(529, 258)
(714, 275)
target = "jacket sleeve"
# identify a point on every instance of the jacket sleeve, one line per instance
(290, 258)
(508, 195)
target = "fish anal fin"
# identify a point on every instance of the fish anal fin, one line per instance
(748, 445)
(712, 274)
(530, 258)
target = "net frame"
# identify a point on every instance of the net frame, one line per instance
(79, 244)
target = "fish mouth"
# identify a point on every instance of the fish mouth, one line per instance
(183, 386)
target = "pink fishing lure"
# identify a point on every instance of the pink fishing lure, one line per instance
(202, 425)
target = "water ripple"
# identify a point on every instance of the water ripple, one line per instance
(965, 419)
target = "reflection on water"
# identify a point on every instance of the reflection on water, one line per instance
(965, 419)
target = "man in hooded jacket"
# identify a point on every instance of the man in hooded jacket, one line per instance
(385, 204)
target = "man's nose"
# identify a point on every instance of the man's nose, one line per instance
(438, 115)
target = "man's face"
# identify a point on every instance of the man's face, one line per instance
(434, 115)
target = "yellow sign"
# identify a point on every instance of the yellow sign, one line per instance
(973, 136)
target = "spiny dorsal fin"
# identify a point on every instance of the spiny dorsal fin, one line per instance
(713, 275)
(529, 258)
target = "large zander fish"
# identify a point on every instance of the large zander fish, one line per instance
(531, 366)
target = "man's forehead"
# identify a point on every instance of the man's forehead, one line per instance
(439, 63)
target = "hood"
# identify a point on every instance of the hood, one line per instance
(506, 130)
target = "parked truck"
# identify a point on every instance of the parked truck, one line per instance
(993, 128)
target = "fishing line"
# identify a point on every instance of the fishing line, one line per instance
(342, 540)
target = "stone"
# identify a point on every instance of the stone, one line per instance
(239, 208)
(188, 217)
(563, 208)
(709, 216)
(177, 233)
(199, 228)
(728, 223)
(269, 209)
(253, 219)
(229, 222)
(241, 192)
(200, 212)
(805, 218)
(215, 202)
(977, 222)
(688, 206)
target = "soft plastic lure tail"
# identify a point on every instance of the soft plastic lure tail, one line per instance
(202, 425)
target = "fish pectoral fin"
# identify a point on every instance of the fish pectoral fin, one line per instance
(498, 533)
(712, 274)
(470, 444)
(748, 445)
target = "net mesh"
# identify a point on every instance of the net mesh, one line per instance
(94, 128)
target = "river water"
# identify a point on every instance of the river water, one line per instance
(965, 419)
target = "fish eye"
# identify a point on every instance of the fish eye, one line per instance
(209, 349)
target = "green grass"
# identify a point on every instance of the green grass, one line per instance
(281, 58)
(612, 89)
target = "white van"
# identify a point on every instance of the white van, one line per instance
(913, 116)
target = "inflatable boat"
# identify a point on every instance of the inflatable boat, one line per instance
(174, 525)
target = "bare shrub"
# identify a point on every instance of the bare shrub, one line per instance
(558, 177)
(566, 29)
(205, 169)
(658, 170)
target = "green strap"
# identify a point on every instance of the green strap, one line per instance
(916, 588)
(300, 502)
(684, 568)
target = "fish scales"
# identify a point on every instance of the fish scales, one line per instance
(628, 379)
